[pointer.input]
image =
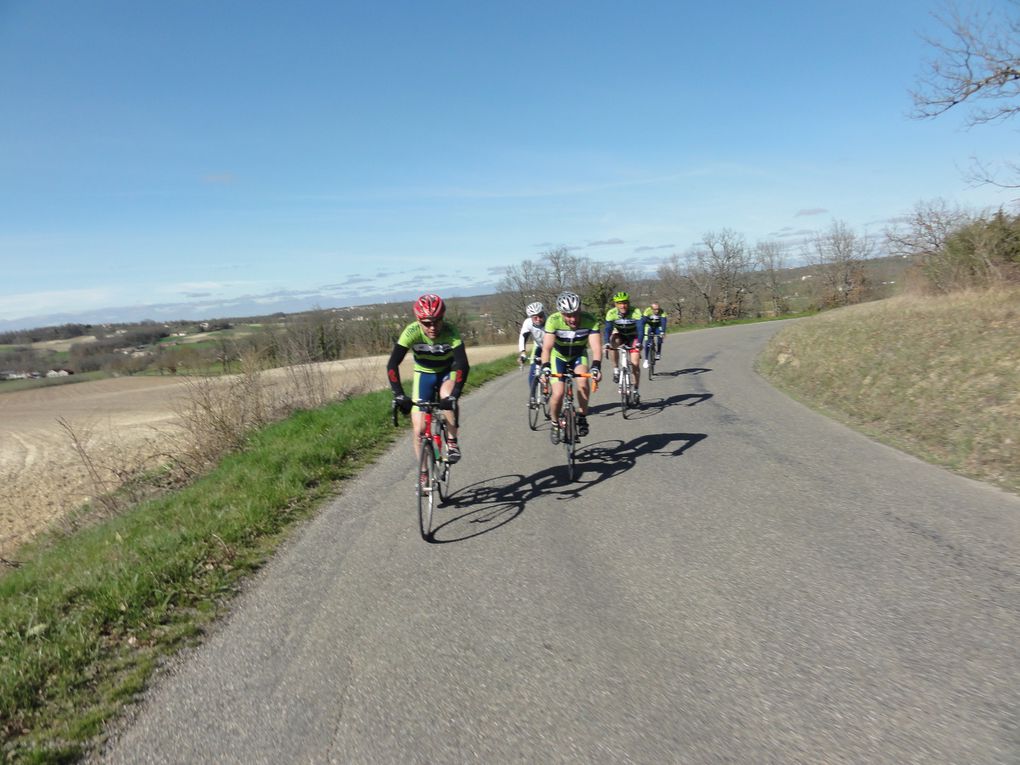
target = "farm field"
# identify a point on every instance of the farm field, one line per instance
(122, 420)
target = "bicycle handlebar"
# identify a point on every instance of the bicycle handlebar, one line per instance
(430, 406)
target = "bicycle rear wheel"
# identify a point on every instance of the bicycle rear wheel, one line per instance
(426, 489)
(535, 403)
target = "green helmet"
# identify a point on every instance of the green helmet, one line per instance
(621, 297)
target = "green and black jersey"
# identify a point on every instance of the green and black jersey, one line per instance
(571, 342)
(438, 356)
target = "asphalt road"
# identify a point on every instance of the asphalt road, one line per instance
(732, 579)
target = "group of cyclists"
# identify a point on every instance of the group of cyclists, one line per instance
(568, 340)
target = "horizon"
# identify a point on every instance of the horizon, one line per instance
(190, 158)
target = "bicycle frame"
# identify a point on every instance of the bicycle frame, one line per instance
(432, 465)
(568, 435)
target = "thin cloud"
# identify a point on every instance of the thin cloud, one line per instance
(790, 233)
(647, 248)
(605, 242)
(219, 179)
(810, 211)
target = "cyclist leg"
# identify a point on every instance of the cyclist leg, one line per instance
(559, 366)
(452, 429)
(614, 344)
(583, 389)
(634, 358)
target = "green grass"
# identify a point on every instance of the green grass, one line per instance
(938, 377)
(85, 619)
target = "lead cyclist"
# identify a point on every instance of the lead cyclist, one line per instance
(571, 340)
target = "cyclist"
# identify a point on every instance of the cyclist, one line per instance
(571, 339)
(533, 327)
(625, 329)
(655, 331)
(440, 365)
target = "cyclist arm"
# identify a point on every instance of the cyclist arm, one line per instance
(607, 332)
(663, 324)
(547, 346)
(640, 332)
(522, 336)
(459, 369)
(393, 369)
(594, 347)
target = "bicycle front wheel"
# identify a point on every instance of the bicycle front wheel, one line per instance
(570, 439)
(624, 392)
(535, 403)
(651, 360)
(426, 489)
(443, 468)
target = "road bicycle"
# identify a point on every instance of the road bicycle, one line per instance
(566, 433)
(653, 348)
(626, 387)
(432, 481)
(538, 401)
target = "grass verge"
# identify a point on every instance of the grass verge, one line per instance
(936, 377)
(86, 619)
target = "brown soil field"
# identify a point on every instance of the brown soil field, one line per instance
(122, 422)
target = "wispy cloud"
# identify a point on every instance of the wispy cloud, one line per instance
(605, 242)
(646, 248)
(789, 233)
(27, 303)
(810, 211)
(219, 179)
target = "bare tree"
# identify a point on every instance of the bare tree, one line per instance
(556, 271)
(720, 272)
(838, 257)
(979, 65)
(771, 262)
(675, 289)
(924, 238)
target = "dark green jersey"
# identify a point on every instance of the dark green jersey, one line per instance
(626, 324)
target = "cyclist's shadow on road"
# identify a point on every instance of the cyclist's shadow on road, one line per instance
(487, 505)
(679, 372)
(650, 406)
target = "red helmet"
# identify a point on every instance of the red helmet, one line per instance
(429, 307)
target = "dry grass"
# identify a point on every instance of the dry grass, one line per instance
(938, 377)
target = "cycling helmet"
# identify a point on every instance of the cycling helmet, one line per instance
(535, 309)
(429, 307)
(621, 297)
(568, 302)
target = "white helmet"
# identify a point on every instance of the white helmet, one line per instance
(568, 302)
(535, 309)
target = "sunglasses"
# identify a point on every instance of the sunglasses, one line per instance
(428, 322)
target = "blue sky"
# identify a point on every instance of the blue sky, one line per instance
(194, 155)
